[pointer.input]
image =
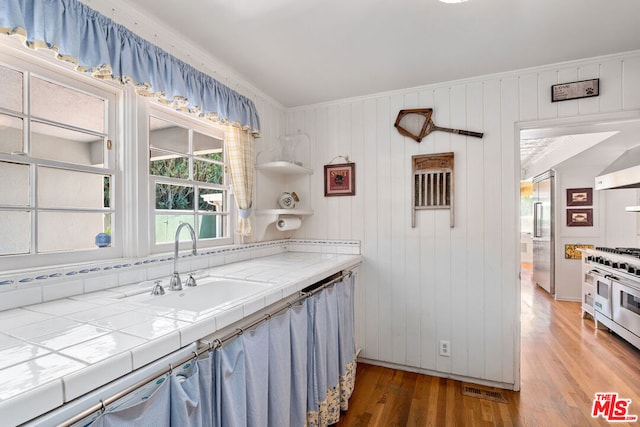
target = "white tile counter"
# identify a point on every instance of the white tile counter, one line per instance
(56, 351)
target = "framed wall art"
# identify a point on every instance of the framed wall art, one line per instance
(573, 252)
(340, 179)
(579, 196)
(580, 217)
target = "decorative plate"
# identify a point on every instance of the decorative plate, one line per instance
(288, 200)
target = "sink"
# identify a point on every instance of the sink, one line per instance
(211, 292)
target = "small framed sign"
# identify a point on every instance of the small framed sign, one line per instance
(340, 179)
(575, 90)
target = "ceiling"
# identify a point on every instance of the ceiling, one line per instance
(579, 145)
(302, 52)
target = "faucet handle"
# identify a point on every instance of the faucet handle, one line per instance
(175, 284)
(157, 289)
(191, 281)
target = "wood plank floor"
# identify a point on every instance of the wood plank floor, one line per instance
(564, 362)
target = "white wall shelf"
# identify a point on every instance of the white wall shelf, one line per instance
(298, 212)
(273, 178)
(282, 167)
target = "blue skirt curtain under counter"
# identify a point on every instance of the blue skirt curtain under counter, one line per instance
(140, 408)
(231, 384)
(192, 394)
(323, 379)
(280, 370)
(258, 359)
(298, 327)
(295, 369)
(346, 340)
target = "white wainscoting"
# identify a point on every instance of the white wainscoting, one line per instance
(432, 282)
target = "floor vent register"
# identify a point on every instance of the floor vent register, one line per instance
(483, 393)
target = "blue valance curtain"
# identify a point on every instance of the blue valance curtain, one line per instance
(107, 50)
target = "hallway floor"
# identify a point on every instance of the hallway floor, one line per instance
(564, 362)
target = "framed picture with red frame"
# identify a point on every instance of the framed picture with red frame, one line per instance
(340, 179)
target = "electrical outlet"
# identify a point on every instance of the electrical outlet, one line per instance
(445, 348)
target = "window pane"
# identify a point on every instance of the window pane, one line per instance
(11, 89)
(14, 184)
(205, 144)
(169, 165)
(60, 188)
(211, 200)
(212, 173)
(169, 136)
(15, 229)
(166, 226)
(10, 134)
(55, 143)
(64, 105)
(66, 231)
(174, 197)
(211, 226)
(213, 156)
(107, 186)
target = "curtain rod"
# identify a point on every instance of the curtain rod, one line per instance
(215, 344)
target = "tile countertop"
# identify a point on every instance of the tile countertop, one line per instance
(54, 352)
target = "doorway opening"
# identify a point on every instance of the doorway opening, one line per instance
(576, 150)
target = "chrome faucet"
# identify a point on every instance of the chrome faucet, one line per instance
(175, 284)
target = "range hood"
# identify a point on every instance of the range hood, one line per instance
(624, 172)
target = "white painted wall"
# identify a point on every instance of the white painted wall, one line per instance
(622, 226)
(432, 282)
(612, 226)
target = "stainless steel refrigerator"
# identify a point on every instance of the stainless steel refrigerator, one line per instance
(543, 232)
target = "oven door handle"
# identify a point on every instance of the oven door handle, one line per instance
(610, 277)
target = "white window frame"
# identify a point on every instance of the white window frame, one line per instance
(205, 127)
(63, 74)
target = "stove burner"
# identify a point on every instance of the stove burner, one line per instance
(617, 264)
(634, 252)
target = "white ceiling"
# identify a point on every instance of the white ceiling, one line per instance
(580, 145)
(302, 52)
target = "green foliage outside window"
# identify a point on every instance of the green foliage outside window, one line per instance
(175, 197)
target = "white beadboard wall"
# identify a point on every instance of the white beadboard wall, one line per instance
(432, 282)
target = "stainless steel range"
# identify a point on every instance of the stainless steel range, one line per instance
(614, 274)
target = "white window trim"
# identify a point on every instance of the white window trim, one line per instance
(38, 64)
(128, 129)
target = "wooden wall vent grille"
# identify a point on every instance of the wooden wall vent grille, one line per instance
(432, 183)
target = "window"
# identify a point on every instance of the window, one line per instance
(58, 177)
(188, 180)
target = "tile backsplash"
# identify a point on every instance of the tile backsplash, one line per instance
(28, 287)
